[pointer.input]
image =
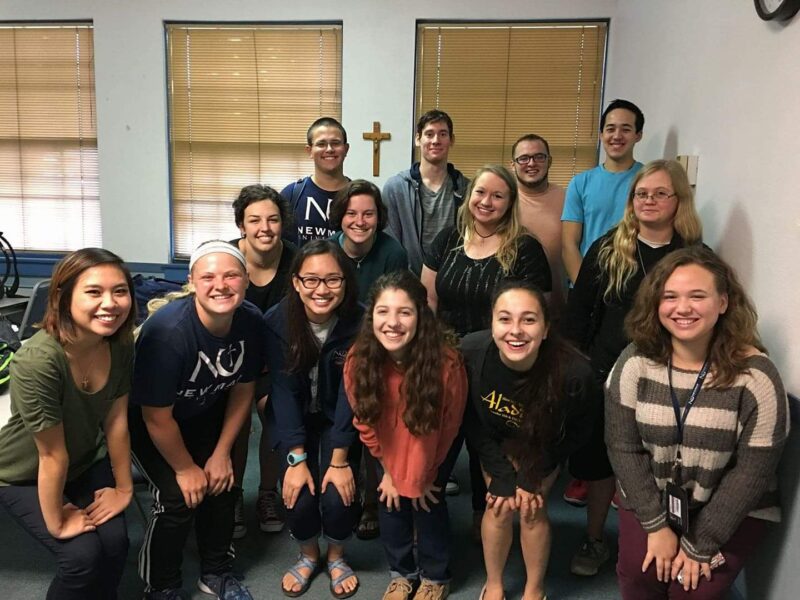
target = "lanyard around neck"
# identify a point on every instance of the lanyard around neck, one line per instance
(698, 384)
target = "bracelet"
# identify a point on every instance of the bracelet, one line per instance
(344, 466)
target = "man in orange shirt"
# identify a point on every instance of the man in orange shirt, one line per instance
(541, 204)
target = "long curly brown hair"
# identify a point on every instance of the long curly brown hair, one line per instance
(422, 384)
(541, 393)
(735, 330)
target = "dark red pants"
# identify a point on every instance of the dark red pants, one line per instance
(635, 585)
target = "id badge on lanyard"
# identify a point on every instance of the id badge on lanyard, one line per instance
(676, 499)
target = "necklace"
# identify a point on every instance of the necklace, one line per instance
(84, 373)
(641, 262)
(480, 235)
(358, 261)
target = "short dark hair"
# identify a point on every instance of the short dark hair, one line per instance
(325, 122)
(433, 116)
(58, 321)
(530, 137)
(256, 193)
(354, 188)
(627, 105)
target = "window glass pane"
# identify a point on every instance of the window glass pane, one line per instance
(241, 99)
(48, 137)
(499, 81)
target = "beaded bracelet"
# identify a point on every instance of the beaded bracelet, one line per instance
(344, 466)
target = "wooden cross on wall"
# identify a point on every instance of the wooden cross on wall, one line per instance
(376, 137)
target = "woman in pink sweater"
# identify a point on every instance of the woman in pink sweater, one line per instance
(407, 386)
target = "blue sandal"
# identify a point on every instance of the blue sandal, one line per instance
(347, 572)
(303, 561)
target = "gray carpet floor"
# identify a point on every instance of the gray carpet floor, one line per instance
(26, 567)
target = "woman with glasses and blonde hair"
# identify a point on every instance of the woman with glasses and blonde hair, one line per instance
(659, 218)
(310, 332)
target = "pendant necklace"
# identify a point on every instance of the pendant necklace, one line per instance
(84, 374)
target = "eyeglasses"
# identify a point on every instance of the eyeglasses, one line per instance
(539, 157)
(311, 282)
(323, 145)
(658, 196)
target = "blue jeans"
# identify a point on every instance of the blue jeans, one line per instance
(433, 532)
(322, 512)
(90, 565)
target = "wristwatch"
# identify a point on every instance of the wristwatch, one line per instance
(294, 458)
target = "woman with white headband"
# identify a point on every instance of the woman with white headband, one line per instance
(197, 359)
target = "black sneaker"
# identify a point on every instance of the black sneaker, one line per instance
(223, 587)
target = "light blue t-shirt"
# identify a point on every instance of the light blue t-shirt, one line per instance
(596, 198)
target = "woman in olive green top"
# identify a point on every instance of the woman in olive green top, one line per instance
(69, 389)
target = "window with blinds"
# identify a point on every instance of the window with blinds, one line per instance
(499, 81)
(240, 101)
(48, 137)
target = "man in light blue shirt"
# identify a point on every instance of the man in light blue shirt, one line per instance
(595, 199)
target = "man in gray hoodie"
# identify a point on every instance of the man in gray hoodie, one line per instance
(424, 199)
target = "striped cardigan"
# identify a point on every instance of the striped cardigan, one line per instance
(732, 442)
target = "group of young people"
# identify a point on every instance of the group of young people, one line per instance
(378, 342)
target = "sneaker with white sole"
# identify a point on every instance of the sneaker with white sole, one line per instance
(589, 557)
(239, 526)
(452, 488)
(269, 509)
(576, 492)
(223, 587)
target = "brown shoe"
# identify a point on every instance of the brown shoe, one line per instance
(399, 588)
(432, 591)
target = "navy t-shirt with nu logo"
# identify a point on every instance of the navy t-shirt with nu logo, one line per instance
(312, 211)
(180, 363)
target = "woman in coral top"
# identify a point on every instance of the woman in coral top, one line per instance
(407, 386)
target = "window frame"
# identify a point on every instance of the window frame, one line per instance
(418, 110)
(175, 257)
(36, 262)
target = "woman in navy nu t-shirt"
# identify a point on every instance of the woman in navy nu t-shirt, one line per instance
(196, 362)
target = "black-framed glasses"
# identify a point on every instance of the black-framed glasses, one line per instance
(311, 282)
(539, 157)
(658, 195)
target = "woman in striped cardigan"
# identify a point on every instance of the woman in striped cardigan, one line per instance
(696, 418)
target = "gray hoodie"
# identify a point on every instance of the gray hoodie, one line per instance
(402, 199)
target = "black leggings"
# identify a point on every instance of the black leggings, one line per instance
(89, 566)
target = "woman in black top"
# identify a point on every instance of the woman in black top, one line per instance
(659, 217)
(466, 262)
(530, 405)
(261, 214)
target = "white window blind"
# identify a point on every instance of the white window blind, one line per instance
(48, 137)
(499, 81)
(241, 99)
